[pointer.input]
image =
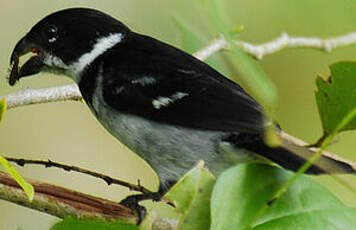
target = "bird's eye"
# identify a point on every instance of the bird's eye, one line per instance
(51, 33)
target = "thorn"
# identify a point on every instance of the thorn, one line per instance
(270, 202)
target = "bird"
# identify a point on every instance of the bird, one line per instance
(165, 105)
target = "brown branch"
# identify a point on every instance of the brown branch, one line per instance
(61, 202)
(109, 180)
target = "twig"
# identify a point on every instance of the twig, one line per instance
(71, 92)
(286, 41)
(213, 47)
(61, 202)
(45, 95)
(299, 142)
(279, 43)
(109, 180)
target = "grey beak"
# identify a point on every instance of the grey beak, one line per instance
(31, 67)
(22, 47)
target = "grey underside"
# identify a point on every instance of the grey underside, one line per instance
(170, 150)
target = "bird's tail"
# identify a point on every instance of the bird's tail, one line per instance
(292, 154)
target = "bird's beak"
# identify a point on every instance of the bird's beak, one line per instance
(22, 47)
(31, 67)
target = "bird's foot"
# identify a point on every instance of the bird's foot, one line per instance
(132, 202)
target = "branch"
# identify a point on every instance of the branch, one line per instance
(61, 202)
(45, 95)
(71, 92)
(213, 47)
(299, 142)
(286, 41)
(109, 180)
(279, 43)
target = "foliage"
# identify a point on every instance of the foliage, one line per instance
(9, 169)
(73, 224)
(27, 187)
(191, 196)
(243, 191)
(3, 106)
(243, 65)
(192, 40)
(236, 201)
(336, 98)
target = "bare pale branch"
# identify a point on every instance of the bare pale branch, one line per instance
(45, 95)
(286, 41)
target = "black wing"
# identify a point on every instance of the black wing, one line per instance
(148, 78)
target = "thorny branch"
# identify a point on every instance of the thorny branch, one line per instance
(109, 180)
(71, 92)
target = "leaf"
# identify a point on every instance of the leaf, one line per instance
(147, 223)
(336, 98)
(191, 196)
(3, 107)
(243, 191)
(254, 77)
(192, 40)
(27, 187)
(242, 64)
(74, 224)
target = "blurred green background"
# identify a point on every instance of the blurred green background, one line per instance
(68, 133)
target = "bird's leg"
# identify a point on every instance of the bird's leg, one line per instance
(132, 201)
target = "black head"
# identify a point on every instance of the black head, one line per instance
(61, 38)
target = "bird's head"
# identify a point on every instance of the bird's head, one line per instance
(66, 41)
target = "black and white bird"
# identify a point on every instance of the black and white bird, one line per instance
(164, 104)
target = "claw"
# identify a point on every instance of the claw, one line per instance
(132, 202)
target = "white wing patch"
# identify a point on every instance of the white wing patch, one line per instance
(51, 40)
(165, 101)
(144, 81)
(101, 45)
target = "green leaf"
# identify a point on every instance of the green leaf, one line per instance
(3, 107)
(243, 191)
(255, 78)
(215, 13)
(241, 63)
(191, 196)
(74, 224)
(336, 98)
(192, 40)
(27, 187)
